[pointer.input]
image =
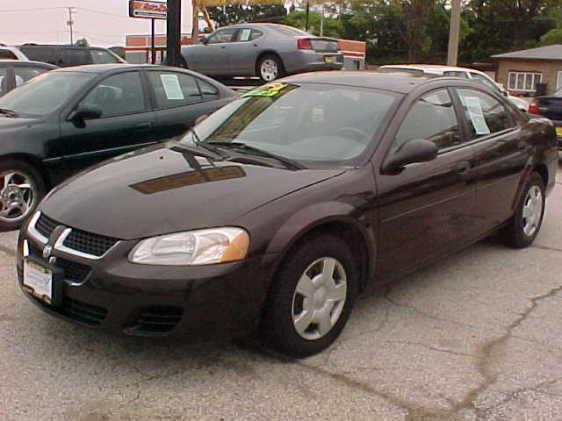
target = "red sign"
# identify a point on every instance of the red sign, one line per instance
(148, 9)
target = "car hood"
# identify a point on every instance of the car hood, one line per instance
(7, 123)
(169, 189)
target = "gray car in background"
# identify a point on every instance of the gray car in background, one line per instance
(266, 50)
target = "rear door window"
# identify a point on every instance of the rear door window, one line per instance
(23, 74)
(103, 57)
(7, 54)
(76, 57)
(174, 89)
(485, 114)
(4, 82)
(433, 118)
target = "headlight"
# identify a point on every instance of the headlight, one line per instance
(192, 248)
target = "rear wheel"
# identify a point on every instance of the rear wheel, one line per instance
(525, 224)
(270, 68)
(21, 190)
(312, 297)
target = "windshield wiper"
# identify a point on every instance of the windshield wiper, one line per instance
(288, 162)
(9, 113)
(205, 145)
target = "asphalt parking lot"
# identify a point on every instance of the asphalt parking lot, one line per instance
(475, 337)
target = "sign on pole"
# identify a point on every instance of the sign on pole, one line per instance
(148, 9)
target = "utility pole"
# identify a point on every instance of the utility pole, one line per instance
(70, 23)
(455, 26)
(173, 33)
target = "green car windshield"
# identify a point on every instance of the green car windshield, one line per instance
(45, 93)
(314, 124)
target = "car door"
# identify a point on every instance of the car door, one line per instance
(126, 122)
(502, 151)
(243, 52)
(215, 55)
(179, 99)
(428, 208)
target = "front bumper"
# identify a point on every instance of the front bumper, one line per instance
(113, 294)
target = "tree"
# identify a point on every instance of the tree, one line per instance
(554, 36)
(332, 26)
(82, 42)
(231, 14)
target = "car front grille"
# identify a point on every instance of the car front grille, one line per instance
(85, 242)
(73, 271)
(156, 319)
(45, 225)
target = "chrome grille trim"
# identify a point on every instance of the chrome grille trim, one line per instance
(59, 244)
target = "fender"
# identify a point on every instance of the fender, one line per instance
(314, 216)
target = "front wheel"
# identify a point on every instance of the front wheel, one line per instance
(312, 297)
(21, 190)
(524, 226)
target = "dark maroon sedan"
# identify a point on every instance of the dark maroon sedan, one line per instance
(278, 209)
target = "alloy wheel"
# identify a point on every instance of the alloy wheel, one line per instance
(532, 210)
(17, 197)
(269, 70)
(319, 298)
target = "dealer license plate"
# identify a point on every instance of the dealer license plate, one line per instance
(559, 131)
(328, 59)
(39, 280)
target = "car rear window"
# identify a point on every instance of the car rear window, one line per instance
(288, 30)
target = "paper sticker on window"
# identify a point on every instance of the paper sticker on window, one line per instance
(245, 34)
(172, 87)
(476, 115)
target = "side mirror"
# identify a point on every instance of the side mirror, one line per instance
(413, 151)
(204, 40)
(83, 113)
(200, 119)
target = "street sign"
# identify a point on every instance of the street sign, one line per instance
(148, 9)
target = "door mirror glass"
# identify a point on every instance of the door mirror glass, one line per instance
(413, 151)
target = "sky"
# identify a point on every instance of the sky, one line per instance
(102, 22)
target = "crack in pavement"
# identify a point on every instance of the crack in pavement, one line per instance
(489, 348)
(538, 246)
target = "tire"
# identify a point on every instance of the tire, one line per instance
(285, 303)
(525, 224)
(20, 173)
(275, 66)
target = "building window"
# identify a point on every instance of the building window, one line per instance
(523, 81)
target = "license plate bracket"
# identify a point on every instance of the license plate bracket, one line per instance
(43, 281)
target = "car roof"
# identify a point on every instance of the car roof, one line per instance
(24, 63)
(401, 82)
(105, 68)
(430, 67)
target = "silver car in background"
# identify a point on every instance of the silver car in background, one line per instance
(266, 50)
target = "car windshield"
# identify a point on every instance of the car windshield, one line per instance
(45, 93)
(313, 124)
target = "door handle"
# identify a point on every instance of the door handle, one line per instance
(143, 126)
(463, 167)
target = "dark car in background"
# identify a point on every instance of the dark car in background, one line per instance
(68, 55)
(66, 120)
(14, 73)
(277, 210)
(266, 50)
(551, 108)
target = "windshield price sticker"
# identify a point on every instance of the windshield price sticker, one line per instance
(271, 90)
